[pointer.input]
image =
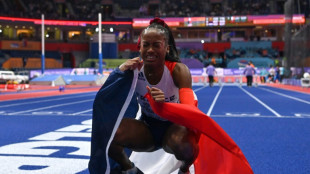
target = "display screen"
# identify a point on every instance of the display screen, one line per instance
(215, 21)
(194, 22)
(224, 21)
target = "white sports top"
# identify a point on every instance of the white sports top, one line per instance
(166, 84)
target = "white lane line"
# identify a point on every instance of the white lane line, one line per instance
(77, 113)
(40, 101)
(82, 112)
(48, 107)
(262, 103)
(199, 89)
(48, 114)
(284, 95)
(214, 101)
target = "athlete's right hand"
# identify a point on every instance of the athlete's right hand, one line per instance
(131, 64)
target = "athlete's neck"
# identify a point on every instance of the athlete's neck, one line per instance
(153, 75)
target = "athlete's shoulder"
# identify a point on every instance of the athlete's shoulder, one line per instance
(170, 65)
(181, 75)
(175, 65)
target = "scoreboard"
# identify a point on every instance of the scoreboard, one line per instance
(215, 21)
(224, 21)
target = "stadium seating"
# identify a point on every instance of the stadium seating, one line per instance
(259, 62)
(237, 53)
(13, 62)
(35, 63)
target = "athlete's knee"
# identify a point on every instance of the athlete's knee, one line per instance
(186, 151)
(122, 132)
(182, 142)
(120, 135)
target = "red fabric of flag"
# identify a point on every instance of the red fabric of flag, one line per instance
(218, 153)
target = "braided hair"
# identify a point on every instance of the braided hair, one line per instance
(164, 29)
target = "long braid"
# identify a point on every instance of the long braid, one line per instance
(173, 53)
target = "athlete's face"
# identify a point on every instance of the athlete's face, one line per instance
(153, 47)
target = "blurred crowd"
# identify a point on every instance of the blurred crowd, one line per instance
(118, 9)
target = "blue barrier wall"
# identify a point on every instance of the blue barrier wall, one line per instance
(109, 50)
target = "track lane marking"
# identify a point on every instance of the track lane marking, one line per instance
(288, 96)
(214, 101)
(82, 112)
(262, 103)
(199, 89)
(40, 101)
(47, 107)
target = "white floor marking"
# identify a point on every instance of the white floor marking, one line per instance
(40, 101)
(47, 107)
(199, 89)
(214, 101)
(262, 103)
(82, 112)
(284, 95)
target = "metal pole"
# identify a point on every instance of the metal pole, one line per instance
(43, 46)
(100, 44)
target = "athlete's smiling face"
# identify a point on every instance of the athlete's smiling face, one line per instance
(154, 47)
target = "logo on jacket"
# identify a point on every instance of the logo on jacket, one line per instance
(141, 76)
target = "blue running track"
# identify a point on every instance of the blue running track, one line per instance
(52, 134)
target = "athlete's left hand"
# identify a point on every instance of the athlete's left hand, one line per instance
(157, 94)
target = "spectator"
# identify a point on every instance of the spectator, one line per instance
(249, 71)
(263, 75)
(281, 69)
(211, 72)
(271, 74)
(143, 10)
(251, 64)
(224, 61)
(277, 75)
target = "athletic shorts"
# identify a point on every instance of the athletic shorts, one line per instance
(157, 128)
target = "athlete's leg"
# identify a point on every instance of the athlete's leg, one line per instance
(211, 80)
(251, 80)
(183, 143)
(132, 134)
(248, 80)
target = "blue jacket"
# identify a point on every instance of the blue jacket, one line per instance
(113, 101)
(249, 71)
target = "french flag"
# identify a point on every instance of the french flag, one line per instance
(218, 153)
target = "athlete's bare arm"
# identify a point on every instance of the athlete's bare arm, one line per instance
(182, 76)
